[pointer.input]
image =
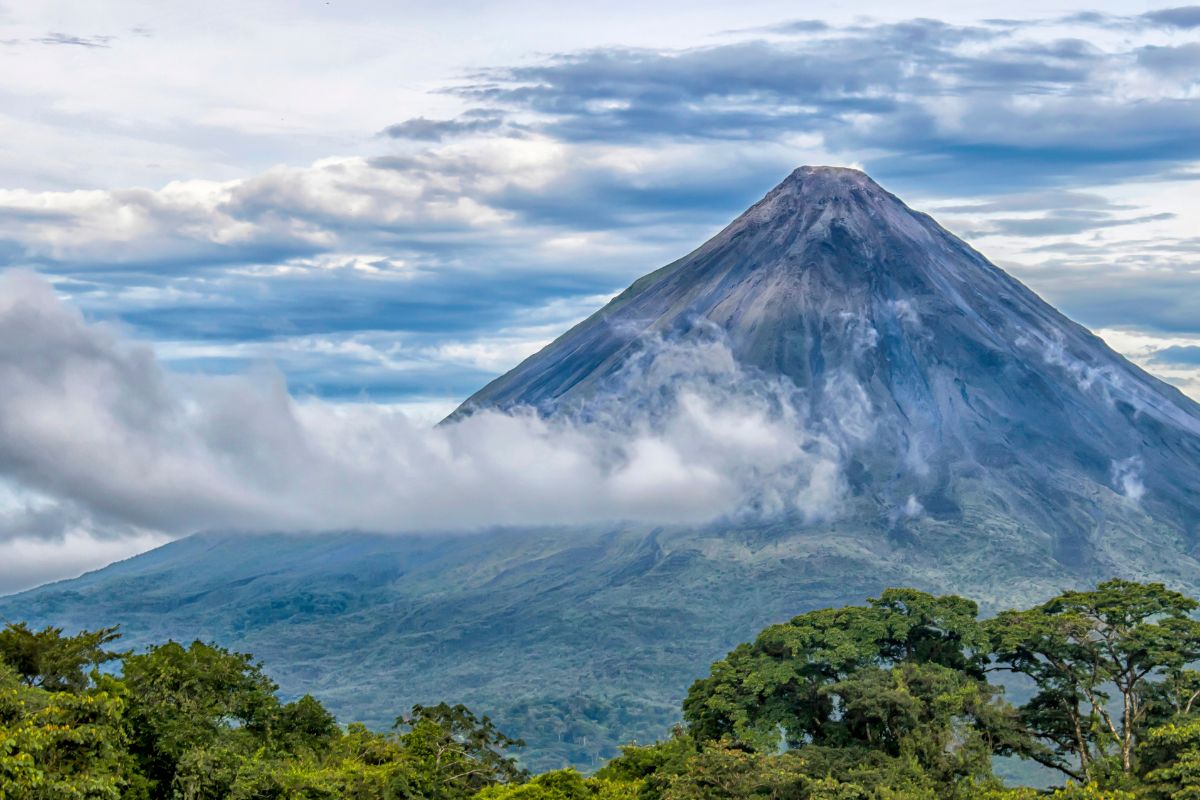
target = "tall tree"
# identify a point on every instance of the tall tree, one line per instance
(183, 699)
(780, 685)
(902, 678)
(1100, 659)
(48, 660)
(457, 752)
(62, 744)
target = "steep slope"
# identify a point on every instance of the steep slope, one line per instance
(980, 443)
(930, 366)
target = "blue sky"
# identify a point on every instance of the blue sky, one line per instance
(392, 204)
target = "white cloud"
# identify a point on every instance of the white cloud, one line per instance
(913, 507)
(1127, 477)
(492, 356)
(262, 218)
(93, 422)
(31, 561)
(525, 199)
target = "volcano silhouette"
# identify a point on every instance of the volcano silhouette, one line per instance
(983, 444)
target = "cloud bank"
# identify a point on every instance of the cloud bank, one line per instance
(93, 427)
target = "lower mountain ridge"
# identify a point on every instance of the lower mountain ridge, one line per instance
(961, 434)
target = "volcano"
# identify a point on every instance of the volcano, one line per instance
(971, 397)
(980, 442)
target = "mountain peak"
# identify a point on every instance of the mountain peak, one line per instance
(829, 184)
(818, 196)
(830, 180)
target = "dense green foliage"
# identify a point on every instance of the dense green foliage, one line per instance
(200, 722)
(1108, 664)
(888, 701)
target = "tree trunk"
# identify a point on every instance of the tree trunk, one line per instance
(1127, 733)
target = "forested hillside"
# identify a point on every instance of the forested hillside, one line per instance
(897, 699)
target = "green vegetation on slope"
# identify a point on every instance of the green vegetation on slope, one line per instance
(600, 630)
(887, 701)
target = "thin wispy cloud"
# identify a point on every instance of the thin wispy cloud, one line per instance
(72, 40)
(435, 130)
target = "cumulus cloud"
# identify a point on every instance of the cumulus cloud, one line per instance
(430, 262)
(91, 421)
(44, 538)
(31, 561)
(528, 199)
(278, 215)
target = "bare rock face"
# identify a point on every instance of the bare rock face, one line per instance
(955, 392)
